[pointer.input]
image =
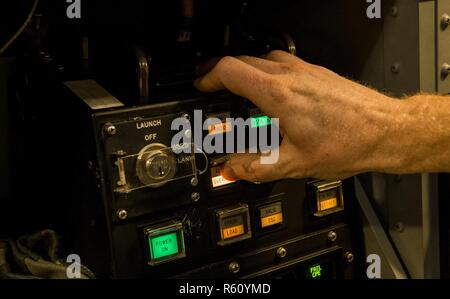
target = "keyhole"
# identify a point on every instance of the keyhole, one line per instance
(161, 171)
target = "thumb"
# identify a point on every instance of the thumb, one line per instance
(249, 167)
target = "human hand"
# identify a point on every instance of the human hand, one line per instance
(332, 127)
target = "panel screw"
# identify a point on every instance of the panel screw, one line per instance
(194, 182)
(281, 252)
(445, 21)
(395, 68)
(349, 257)
(195, 196)
(188, 133)
(234, 267)
(445, 71)
(399, 227)
(394, 11)
(110, 129)
(122, 214)
(187, 116)
(332, 236)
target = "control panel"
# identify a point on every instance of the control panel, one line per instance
(169, 211)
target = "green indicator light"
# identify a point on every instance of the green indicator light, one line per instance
(260, 121)
(315, 271)
(163, 245)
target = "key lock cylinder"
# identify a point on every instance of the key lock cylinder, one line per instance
(155, 165)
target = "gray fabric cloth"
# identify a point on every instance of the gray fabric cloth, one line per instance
(34, 257)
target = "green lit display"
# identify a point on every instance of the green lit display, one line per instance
(163, 245)
(315, 271)
(260, 121)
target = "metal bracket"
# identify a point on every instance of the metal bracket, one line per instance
(379, 233)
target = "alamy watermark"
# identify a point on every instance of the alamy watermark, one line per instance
(73, 270)
(374, 268)
(241, 136)
(374, 9)
(73, 10)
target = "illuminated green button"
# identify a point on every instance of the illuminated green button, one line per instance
(315, 271)
(165, 242)
(164, 245)
(260, 121)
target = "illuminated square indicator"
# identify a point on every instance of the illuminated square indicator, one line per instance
(328, 197)
(219, 128)
(260, 121)
(217, 179)
(321, 270)
(315, 271)
(165, 243)
(218, 124)
(327, 204)
(233, 224)
(271, 215)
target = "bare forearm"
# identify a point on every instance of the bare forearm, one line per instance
(418, 138)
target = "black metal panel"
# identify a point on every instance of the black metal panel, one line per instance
(303, 234)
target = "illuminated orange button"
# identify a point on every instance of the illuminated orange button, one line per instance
(272, 220)
(220, 181)
(233, 231)
(219, 128)
(328, 204)
(217, 179)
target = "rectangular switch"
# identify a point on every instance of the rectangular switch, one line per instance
(217, 180)
(165, 243)
(218, 123)
(233, 224)
(326, 197)
(271, 215)
(258, 118)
